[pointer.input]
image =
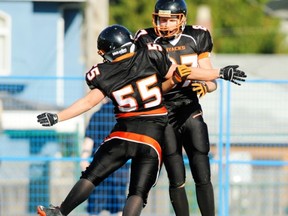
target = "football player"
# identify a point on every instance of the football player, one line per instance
(132, 80)
(189, 45)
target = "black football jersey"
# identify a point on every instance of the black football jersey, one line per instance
(193, 44)
(133, 83)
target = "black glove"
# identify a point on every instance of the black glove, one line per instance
(181, 73)
(47, 119)
(232, 74)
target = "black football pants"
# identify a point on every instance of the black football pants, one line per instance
(192, 134)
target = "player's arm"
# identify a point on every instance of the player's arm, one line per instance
(179, 73)
(80, 106)
(204, 74)
(229, 73)
(210, 85)
(167, 85)
(203, 87)
(175, 75)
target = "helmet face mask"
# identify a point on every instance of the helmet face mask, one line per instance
(114, 41)
(167, 31)
(169, 11)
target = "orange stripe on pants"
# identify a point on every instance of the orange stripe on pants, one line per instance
(139, 138)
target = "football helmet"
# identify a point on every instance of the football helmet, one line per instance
(169, 9)
(114, 41)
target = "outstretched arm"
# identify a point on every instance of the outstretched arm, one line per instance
(203, 74)
(230, 73)
(200, 74)
(210, 86)
(80, 106)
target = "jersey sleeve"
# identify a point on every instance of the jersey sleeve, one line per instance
(160, 58)
(142, 37)
(91, 78)
(204, 41)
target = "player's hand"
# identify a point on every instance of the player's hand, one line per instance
(181, 73)
(200, 87)
(232, 74)
(47, 119)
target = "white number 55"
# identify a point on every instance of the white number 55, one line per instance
(128, 103)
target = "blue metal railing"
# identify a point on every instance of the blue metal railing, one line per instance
(224, 139)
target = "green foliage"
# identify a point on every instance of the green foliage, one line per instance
(132, 14)
(242, 27)
(238, 26)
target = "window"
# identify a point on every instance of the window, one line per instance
(5, 46)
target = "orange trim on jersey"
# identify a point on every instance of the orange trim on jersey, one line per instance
(139, 138)
(155, 112)
(204, 55)
(127, 55)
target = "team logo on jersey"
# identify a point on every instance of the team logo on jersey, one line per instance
(176, 48)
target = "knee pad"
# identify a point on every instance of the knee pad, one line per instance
(200, 167)
(139, 193)
(94, 175)
(175, 170)
(178, 186)
(91, 177)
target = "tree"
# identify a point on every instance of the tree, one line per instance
(132, 14)
(239, 26)
(242, 27)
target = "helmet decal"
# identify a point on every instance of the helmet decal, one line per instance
(164, 13)
(114, 41)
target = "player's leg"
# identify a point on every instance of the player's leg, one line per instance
(173, 161)
(78, 194)
(197, 147)
(146, 153)
(133, 206)
(145, 167)
(97, 200)
(105, 161)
